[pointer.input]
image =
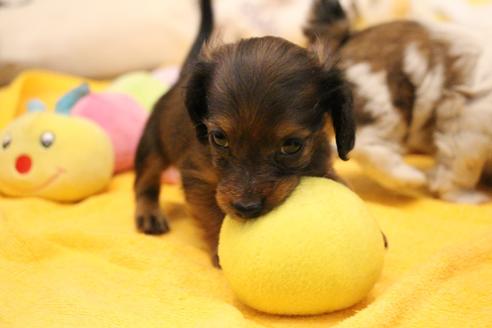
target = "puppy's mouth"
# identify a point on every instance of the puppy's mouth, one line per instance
(252, 207)
(248, 209)
(247, 216)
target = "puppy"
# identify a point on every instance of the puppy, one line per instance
(244, 122)
(417, 88)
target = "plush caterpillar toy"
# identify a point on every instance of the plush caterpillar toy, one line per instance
(72, 152)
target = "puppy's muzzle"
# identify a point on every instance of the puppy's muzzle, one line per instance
(248, 209)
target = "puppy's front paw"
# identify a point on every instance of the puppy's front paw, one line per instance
(151, 223)
(466, 197)
(407, 176)
(404, 179)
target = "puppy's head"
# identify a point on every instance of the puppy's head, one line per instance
(260, 105)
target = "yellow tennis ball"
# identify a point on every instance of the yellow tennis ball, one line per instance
(318, 252)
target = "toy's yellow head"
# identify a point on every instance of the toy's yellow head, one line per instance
(320, 251)
(54, 156)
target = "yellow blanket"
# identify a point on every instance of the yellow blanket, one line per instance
(83, 265)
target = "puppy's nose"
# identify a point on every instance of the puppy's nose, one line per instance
(248, 209)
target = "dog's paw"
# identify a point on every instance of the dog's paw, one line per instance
(153, 223)
(466, 197)
(408, 176)
(403, 178)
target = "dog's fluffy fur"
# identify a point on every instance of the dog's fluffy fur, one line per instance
(418, 87)
(244, 122)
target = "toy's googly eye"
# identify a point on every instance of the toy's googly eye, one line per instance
(6, 141)
(47, 139)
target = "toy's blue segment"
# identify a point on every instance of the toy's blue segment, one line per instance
(35, 105)
(65, 104)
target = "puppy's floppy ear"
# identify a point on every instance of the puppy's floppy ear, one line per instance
(196, 96)
(336, 99)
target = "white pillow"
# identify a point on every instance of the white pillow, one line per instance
(103, 38)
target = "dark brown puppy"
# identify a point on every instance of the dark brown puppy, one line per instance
(243, 124)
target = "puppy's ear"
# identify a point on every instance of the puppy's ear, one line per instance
(196, 96)
(336, 99)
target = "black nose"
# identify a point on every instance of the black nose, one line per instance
(248, 209)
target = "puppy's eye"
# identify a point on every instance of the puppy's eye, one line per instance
(47, 139)
(291, 146)
(6, 141)
(219, 139)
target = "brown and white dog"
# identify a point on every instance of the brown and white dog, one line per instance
(244, 122)
(418, 87)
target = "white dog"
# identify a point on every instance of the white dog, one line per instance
(418, 87)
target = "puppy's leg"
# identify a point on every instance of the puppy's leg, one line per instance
(149, 164)
(200, 197)
(458, 169)
(462, 151)
(382, 160)
(382, 129)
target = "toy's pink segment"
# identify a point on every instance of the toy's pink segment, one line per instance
(120, 117)
(171, 176)
(23, 164)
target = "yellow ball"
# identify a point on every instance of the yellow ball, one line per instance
(318, 252)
